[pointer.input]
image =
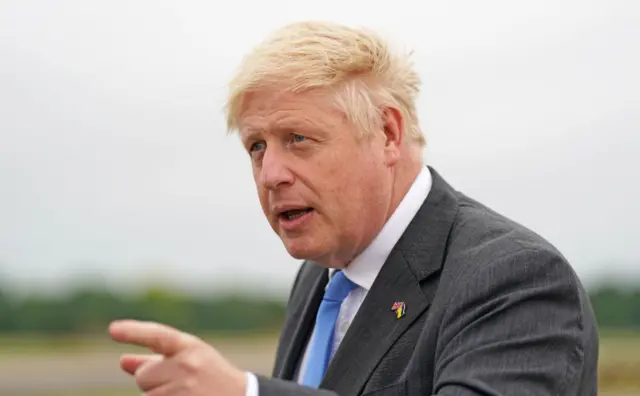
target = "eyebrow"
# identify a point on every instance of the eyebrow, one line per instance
(287, 124)
(274, 127)
(280, 126)
(295, 125)
(249, 132)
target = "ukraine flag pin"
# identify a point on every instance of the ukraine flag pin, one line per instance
(399, 308)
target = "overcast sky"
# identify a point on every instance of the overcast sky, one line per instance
(114, 160)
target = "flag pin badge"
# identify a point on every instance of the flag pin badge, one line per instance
(399, 308)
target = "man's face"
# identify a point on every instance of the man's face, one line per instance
(324, 191)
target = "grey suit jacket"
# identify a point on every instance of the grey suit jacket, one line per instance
(491, 309)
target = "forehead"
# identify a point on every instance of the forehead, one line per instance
(272, 109)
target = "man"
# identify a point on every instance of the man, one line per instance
(408, 287)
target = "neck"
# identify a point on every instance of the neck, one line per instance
(405, 175)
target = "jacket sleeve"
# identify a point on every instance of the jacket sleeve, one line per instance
(512, 327)
(277, 387)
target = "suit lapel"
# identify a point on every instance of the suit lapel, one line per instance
(418, 255)
(300, 320)
(375, 328)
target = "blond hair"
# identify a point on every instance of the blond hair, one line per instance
(357, 63)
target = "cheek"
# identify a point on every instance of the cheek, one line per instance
(363, 185)
(263, 196)
(347, 191)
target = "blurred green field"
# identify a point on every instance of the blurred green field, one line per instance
(619, 363)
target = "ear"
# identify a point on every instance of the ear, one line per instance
(393, 129)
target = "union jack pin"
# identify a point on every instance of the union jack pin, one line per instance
(399, 307)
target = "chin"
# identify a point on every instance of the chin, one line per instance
(301, 253)
(303, 250)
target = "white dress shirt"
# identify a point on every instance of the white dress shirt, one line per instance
(364, 269)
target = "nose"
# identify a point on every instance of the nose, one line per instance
(274, 171)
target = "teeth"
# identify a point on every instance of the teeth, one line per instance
(294, 214)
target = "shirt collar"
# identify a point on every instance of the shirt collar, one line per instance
(364, 269)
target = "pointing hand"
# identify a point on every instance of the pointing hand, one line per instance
(182, 364)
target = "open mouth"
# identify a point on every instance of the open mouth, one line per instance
(295, 213)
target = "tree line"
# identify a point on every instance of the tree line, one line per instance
(90, 309)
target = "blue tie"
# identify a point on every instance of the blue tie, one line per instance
(322, 343)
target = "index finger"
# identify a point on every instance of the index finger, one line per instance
(157, 337)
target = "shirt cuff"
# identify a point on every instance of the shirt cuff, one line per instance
(252, 385)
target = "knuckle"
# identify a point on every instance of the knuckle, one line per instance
(167, 342)
(145, 373)
(192, 361)
(190, 384)
(140, 381)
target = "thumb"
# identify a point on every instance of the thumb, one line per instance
(132, 363)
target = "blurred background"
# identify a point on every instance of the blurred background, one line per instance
(122, 196)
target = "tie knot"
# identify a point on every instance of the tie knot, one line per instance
(339, 287)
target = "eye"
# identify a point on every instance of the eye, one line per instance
(299, 138)
(257, 146)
